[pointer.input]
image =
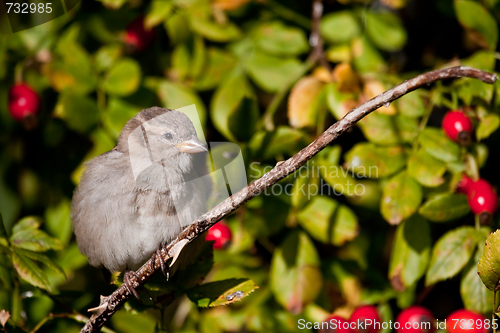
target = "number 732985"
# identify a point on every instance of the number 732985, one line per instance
(471, 324)
(27, 8)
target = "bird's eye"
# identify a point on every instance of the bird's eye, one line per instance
(168, 136)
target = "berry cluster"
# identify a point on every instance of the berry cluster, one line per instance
(483, 200)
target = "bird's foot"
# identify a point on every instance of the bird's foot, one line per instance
(164, 268)
(128, 283)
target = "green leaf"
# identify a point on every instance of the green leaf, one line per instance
(232, 99)
(80, 113)
(367, 160)
(411, 105)
(175, 96)
(123, 78)
(107, 55)
(410, 252)
(118, 114)
(29, 271)
(328, 221)
(72, 70)
(339, 27)
(474, 16)
(128, 322)
(401, 198)
(282, 141)
(221, 292)
(195, 274)
(30, 222)
(489, 262)
(177, 27)
(368, 197)
(213, 31)
(158, 11)
(366, 58)
(278, 39)
(385, 30)
(181, 62)
(33, 239)
(445, 207)
(475, 295)
(487, 126)
(301, 195)
(217, 64)
(484, 60)
(199, 57)
(337, 177)
(407, 128)
(437, 144)
(271, 73)
(338, 103)
(43, 259)
(58, 220)
(380, 129)
(451, 253)
(425, 169)
(295, 277)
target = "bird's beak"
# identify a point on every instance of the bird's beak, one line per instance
(192, 146)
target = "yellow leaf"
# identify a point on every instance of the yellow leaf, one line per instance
(348, 81)
(322, 74)
(301, 102)
(374, 88)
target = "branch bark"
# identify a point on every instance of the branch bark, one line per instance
(110, 304)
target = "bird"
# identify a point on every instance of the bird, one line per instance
(136, 197)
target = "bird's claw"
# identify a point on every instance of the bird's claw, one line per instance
(164, 268)
(128, 283)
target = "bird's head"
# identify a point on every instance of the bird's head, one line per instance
(161, 136)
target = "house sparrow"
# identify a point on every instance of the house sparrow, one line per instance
(135, 198)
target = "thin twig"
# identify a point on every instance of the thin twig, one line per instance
(110, 304)
(315, 40)
(317, 55)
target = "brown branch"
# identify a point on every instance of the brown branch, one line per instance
(315, 39)
(110, 304)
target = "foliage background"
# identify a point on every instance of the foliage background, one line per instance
(408, 240)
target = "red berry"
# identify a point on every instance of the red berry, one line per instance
(138, 36)
(464, 184)
(23, 101)
(335, 324)
(482, 197)
(458, 127)
(365, 319)
(221, 234)
(465, 321)
(415, 319)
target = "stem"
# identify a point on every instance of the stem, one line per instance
(477, 221)
(472, 167)
(423, 123)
